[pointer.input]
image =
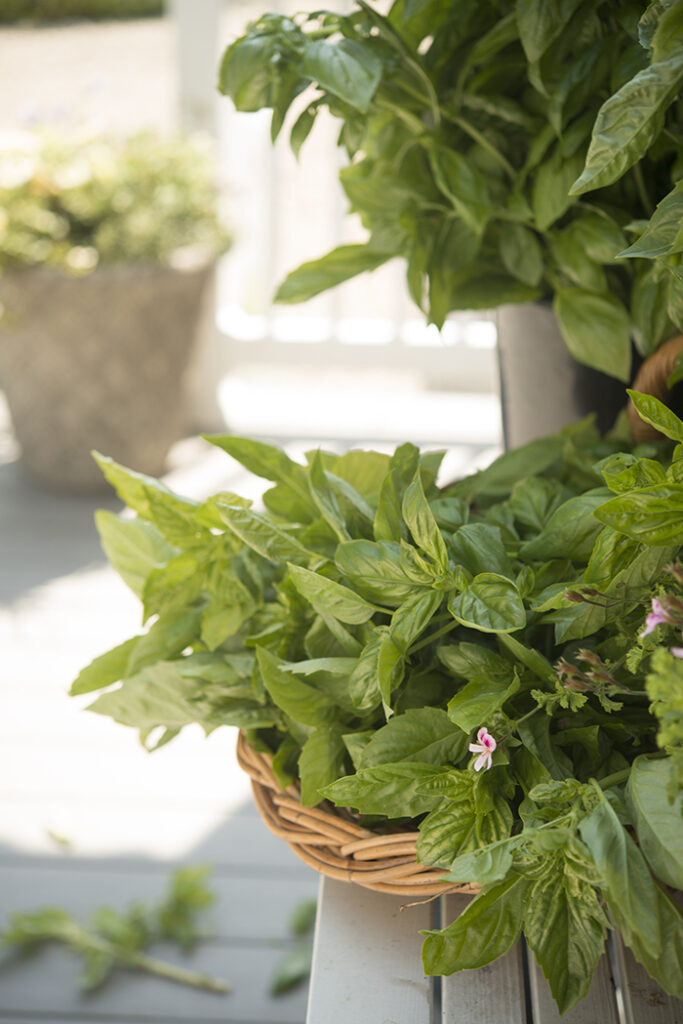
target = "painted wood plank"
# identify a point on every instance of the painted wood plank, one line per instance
(643, 1000)
(47, 985)
(490, 995)
(246, 908)
(599, 1005)
(366, 961)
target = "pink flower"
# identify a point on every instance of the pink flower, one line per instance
(484, 748)
(676, 651)
(657, 616)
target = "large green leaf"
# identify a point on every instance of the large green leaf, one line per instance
(422, 525)
(628, 123)
(297, 699)
(104, 670)
(491, 603)
(325, 498)
(331, 598)
(264, 460)
(461, 182)
(596, 330)
(571, 529)
(134, 548)
(479, 548)
(626, 876)
(336, 266)
(391, 789)
(476, 702)
(540, 22)
(659, 823)
(663, 233)
(379, 571)
(653, 515)
(566, 929)
(463, 822)
(550, 195)
(658, 415)
(263, 536)
(349, 69)
(486, 929)
(322, 761)
(521, 253)
(419, 734)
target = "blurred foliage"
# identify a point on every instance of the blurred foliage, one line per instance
(80, 201)
(54, 10)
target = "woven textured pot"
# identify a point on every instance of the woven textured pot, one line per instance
(651, 379)
(97, 362)
(334, 844)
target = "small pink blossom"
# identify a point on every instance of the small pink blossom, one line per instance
(657, 617)
(484, 748)
(676, 651)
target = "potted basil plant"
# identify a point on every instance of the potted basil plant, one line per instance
(106, 246)
(510, 153)
(496, 664)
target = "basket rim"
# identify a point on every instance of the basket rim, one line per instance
(335, 845)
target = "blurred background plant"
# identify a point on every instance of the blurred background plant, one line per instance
(52, 10)
(78, 200)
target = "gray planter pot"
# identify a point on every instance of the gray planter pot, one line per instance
(542, 387)
(97, 362)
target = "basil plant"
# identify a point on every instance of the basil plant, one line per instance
(497, 664)
(509, 151)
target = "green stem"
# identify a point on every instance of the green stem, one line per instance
(434, 636)
(614, 779)
(485, 144)
(173, 973)
(642, 190)
(414, 123)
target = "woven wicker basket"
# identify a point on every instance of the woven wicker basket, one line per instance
(651, 379)
(337, 846)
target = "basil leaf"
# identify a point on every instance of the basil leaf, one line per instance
(478, 699)
(297, 699)
(331, 598)
(596, 330)
(657, 820)
(566, 929)
(263, 536)
(336, 266)
(662, 234)
(321, 762)
(422, 525)
(463, 185)
(264, 460)
(479, 548)
(378, 570)
(108, 668)
(419, 734)
(134, 548)
(658, 415)
(325, 498)
(628, 123)
(570, 530)
(390, 789)
(486, 929)
(540, 22)
(654, 516)
(632, 894)
(467, 660)
(463, 821)
(491, 603)
(349, 69)
(665, 967)
(550, 195)
(521, 253)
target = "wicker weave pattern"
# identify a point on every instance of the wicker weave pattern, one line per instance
(337, 847)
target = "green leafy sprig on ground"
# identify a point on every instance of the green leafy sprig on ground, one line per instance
(508, 152)
(115, 940)
(366, 626)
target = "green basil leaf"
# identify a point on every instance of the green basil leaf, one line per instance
(321, 762)
(134, 548)
(297, 699)
(486, 929)
(422, 525)
(363, 685)
(666, 967)
(540, 23)
(534, 500)
(467, 660)
(264, 536)
(476, 702)
(419, 734)
(389, 789)
(662, 235)
(566, 929)
(596, 330)
(328, 597)
(463, 185)
(550, 195)
(479, 547)
(654, 516)
(325, 498)
(108, 668)
(487, 864)
(667, 40)
(379, 571)
(571, 530)
(491, 603)
(264, 460)
(349, 69)
(498, 479)
(628, 123)
(658, 415)
(336, 266)
(521, 253)
(246, 73)
(657, 821)
(626, 876)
